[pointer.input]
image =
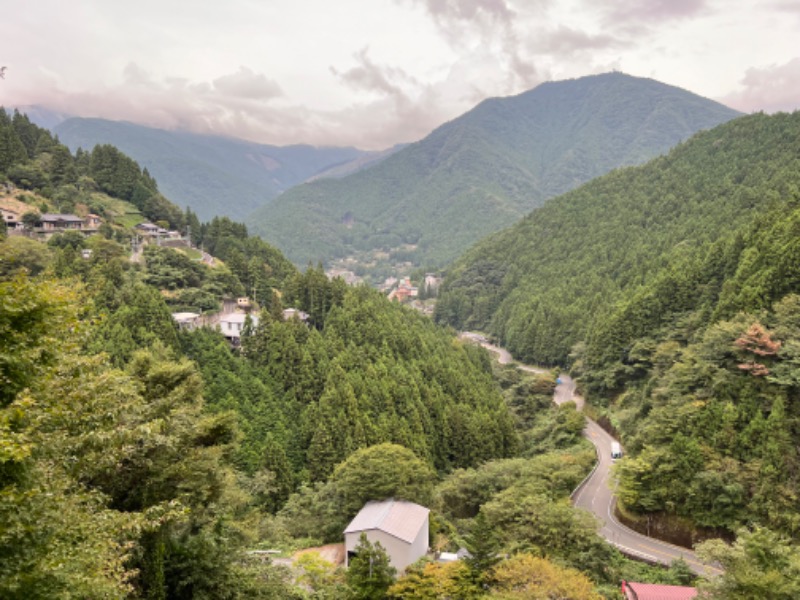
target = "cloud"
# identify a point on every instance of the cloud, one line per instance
(247, 84)
(654, 12)
(368, 76)
(564, 40)
(771, 89)
(489, 25)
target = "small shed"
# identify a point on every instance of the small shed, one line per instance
(401, 527)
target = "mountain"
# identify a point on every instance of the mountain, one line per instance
(550, 281)
(673, 291)
(484, 170)
(213, 175)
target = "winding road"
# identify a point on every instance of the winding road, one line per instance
(595, 493)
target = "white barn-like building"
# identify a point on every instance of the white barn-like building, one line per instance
(400, 526)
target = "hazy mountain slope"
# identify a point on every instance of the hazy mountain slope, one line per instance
(550, 281)
(484, 170)
(212, 175)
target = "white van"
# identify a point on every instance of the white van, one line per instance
(616, 450)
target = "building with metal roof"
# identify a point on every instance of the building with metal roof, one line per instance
(652, 591)
(401, 527)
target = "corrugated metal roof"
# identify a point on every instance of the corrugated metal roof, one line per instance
(398, 518)
(653, 591)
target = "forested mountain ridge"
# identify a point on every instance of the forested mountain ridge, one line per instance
(485, 169)
(541, 284)
(138, 460)
(213, 176)
(671, 289)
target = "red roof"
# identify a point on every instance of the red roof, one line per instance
(654, 591)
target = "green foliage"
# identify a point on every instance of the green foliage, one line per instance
(629, 252)
(462, 493)
(380, 472)
(211, 174)
(484, 170)
(22, 254)
(525, 576)
(435, 581)
(369, 573)
(759, 564)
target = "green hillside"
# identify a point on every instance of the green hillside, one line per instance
(671, 289)
(213, 176)
(481, 172)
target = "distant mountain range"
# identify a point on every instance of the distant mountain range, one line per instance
(484, 170)
(210, 174)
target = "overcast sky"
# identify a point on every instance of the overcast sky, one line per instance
(372, 73)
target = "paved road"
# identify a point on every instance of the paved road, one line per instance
(596, 495)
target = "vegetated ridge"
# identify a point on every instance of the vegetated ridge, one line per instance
(671, 288)
(212, 175)
(484, 170)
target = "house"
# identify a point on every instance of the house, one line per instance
(150, 230)
(294, 313)
(232, 324)
(401, 527)
(53, 223)
(186, 320)
(10, 217)
(92, 222)
(652, 591)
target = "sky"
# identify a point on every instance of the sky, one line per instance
(374, 73)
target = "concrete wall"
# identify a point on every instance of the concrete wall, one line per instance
(401, 554)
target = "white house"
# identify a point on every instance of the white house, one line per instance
(231, 326)
(401, 528)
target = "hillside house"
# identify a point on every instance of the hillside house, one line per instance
(92, 222)
(56, 223)
(401, 527)
(186, 320)
(231, 325)
(295, 313)
(11, 218)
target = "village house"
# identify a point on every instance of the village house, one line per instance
(401, 527)
(231, 326)
(294, 313)
(186, 320)
(11, 218)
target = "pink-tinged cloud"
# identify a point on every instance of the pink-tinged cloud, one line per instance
(247, 84)
(565, 40)
(769, 89)
(656, 11)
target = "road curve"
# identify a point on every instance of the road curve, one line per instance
(596, 495)
(595, 492)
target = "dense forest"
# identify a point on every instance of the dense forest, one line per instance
(670, 289)
(432, 200)
(138, 460)
(212, 175)
(141, 460)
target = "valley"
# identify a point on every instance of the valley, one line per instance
(157, 446)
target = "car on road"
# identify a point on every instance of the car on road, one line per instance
(616, 450)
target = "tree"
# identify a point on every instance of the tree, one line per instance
(369, 573)
(436, 581)
(759, 564)
(380, 472)
(325, 580)
(23, 254)
(526, 577)
(759, 343)
(30, 219)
